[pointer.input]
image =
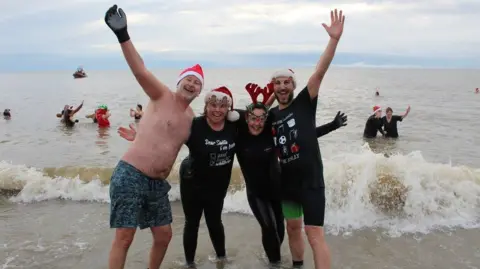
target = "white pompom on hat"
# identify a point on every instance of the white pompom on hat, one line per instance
(285, 73)
(220, 93)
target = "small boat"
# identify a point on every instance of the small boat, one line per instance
(80, 73)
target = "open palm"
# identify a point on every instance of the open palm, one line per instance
(335, 29)
(128, 134)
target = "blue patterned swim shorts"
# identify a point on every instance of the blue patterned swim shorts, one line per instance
(137, 200)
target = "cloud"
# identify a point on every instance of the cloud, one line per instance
(220, 29)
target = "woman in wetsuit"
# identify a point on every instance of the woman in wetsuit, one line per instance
(374, 124)
(389, 122)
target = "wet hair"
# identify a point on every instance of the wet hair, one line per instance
(389, 109)
(139, 106)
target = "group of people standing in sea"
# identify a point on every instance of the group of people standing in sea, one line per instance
(386, 125)
(100, 116)
(277, 149)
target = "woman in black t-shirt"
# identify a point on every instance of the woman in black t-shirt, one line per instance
(205, 173)
(389, 122)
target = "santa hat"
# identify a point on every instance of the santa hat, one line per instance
(285, 73)
(376, 108)
(219, 94)
(195, 70)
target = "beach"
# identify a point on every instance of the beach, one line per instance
(412, 202)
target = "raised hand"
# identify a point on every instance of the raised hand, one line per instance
(127, 134)
(116, 20)
(335, 29)
(340, 120)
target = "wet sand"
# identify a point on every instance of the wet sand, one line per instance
(60, 234)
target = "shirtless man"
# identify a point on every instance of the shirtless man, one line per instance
(138, 189)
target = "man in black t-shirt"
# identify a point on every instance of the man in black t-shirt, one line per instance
(389, 122)
(295, 139)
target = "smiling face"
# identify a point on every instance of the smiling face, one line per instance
(189, 88)
(256, 120)
(216, 109)
(389, 113)
(283, 88)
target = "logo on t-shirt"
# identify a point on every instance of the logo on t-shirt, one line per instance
(220, 152)
(285, 132)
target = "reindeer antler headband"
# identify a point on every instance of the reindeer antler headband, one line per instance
(254, 91)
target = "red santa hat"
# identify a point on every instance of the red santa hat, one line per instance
(221, 93)
(285, 73)
(376, 108)
(195, 70)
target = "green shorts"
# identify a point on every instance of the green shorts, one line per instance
(292, 210)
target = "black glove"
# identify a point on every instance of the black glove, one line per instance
(117, 21)
(340, 120)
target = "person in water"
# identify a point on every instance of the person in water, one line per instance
(137, 113)
(205, 174)
(261, 170)
(92, 116)
(68, 113)
(138, 186)
(295, 140)
(259, 165)
(376, 92)
(102, 114)
(7, 114)
(374, 124)
(390, 122)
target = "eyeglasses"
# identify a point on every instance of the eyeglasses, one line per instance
(255, 118)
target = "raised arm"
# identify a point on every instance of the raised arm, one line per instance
(77, 109)
(117, 22)
(406, 113)
(335, 31)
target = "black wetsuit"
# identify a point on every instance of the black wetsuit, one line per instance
(204, 179)
(261, 171)
(391, 127)
(372, 126)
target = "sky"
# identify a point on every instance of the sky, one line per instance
(62, 34)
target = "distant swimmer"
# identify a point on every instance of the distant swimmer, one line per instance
(376, 92)
(7, 114)
(68, 113)
(477, 90)
(389, 122)
(101, 115)
(137, 113)
(374, 124)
